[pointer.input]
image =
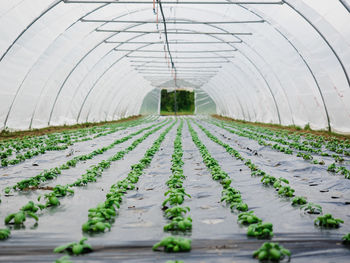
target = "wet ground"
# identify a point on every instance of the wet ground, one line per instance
(216, 235)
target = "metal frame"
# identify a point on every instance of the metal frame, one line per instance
(258, 70)
(345, 4)
(173, 42)
(174, 32)
(171, 22)
(173, 2)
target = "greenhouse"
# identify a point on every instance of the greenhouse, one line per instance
(175, 131)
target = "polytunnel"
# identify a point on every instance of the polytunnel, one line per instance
(212, 130)
(282, 62)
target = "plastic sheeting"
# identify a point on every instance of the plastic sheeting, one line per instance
(66, 62)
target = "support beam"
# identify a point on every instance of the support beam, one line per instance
(177, 32)
(172, 22)
(177, 51)
(180, 74)
(174, 3)
(199, 57)
(155, 67)
(177, 62)
(181, 69)
(174, 42)
(178, 71)
(345, 4)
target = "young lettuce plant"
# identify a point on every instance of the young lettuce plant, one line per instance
(174, 244)
(286, 191)
(5, 234)
(175, 197)
(271, 252)
(248, 218)
(179, 224)
(328, 221)
(176, 211)
(260, 230)
(74, 248)
(346, 239)
(233, 198)
(299, 200)
(28, 210)
(311, 208)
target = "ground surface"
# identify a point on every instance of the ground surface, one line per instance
(216, 235)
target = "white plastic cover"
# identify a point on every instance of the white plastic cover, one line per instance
(63, 62)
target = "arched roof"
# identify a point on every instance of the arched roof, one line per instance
(63, 62)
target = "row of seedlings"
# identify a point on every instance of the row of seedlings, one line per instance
(334, 168)
(35, 181)
(179, 224)
(52, 142)
(264, 140)
(103, 215)
(332, 144)
(232, 197)
(305, 145)
(51, 199)
(281, 185)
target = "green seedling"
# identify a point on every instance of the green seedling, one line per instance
(327, 221)
(102, 211)
(268, 179)
(74, 248)
(19, 217)
(176, 196)
(278, 182)
(174, 244)
(30, 207)
(346, 239)
(258, 173)
(175, 182)
(174, 261)
(243, 207)
(299, 200)
(219, 175)
(286, 191)
(51, 200)
(248, 218)
(179, 224)
(5, 234)
(233, 197)
(332, 168)
(312, 208)
(260, 230)
(61, 190)
(226, 182)
(7, 190)
(176, 211)
(271, 252)
(96, 225)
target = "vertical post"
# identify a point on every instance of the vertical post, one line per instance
(175, 102)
